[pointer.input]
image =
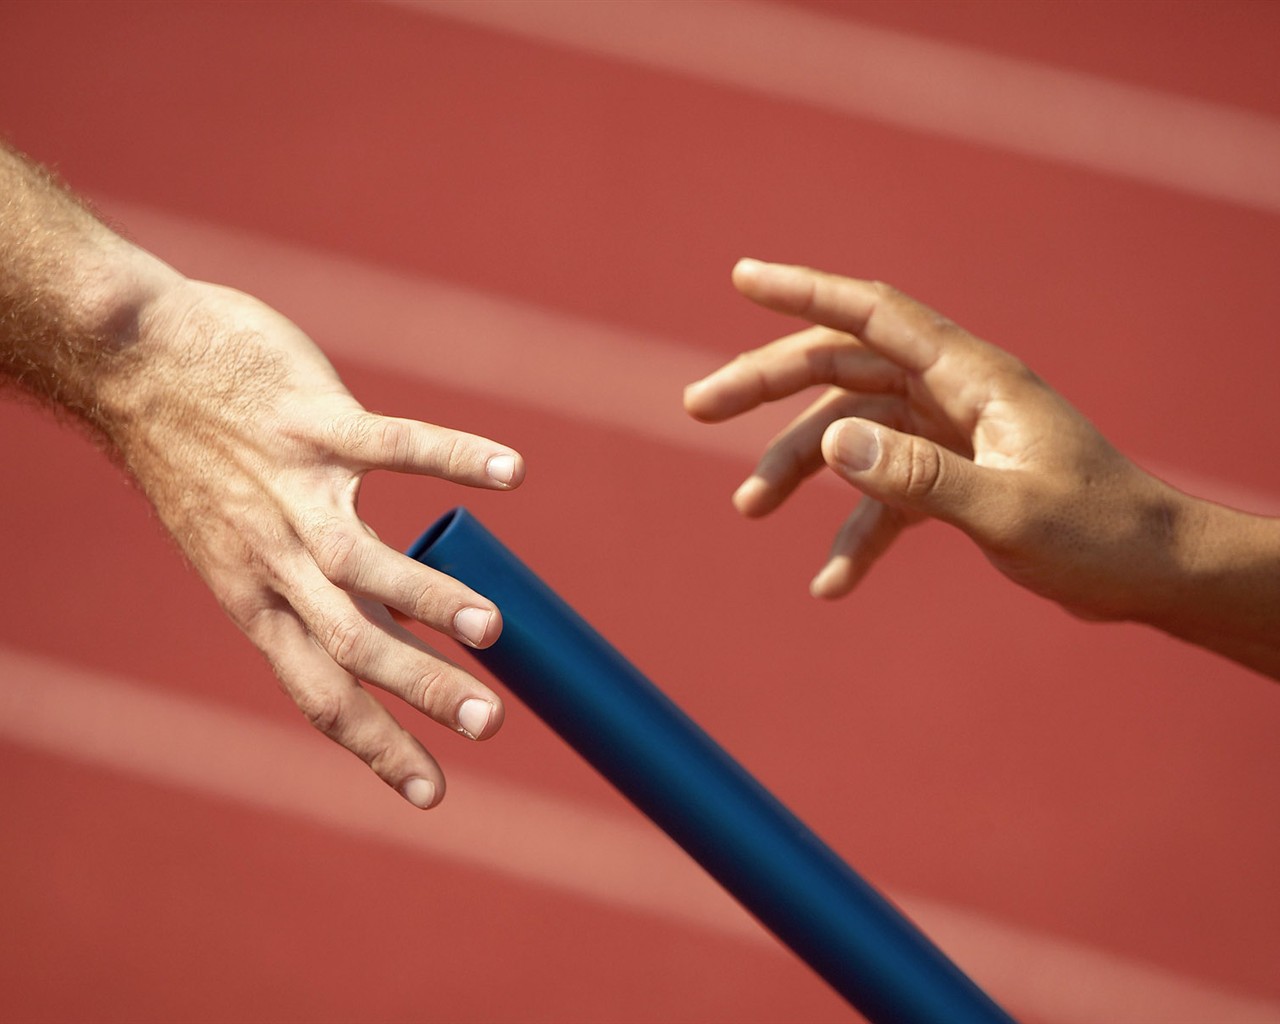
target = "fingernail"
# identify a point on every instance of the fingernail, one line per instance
(749, 491)
(419, 792)
(747, 265)
(825, 584)
(818, 585)
(501, 468)
(857, 447)
(474, 716)
(472, 624)
(694, 403)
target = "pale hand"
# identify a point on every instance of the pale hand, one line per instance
(252, 451)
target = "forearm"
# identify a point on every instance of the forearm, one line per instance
(1228, 596)
(72, 294)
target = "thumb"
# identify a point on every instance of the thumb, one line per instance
(905, 472)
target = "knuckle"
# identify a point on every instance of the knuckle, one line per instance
(385, 760)
(941, 326)
(394, 441)
(349, 433)
(424, 598)
(925, 319)
(1021, 374)
(324, 709)
(333, 546)
(424, 692)
(343, 639)
(752, 371)
(455, 455)
(887, 299)
(886, 291)
(746, 366)
(921, 470)
(251, 613)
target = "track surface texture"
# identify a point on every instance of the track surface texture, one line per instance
(519, 219)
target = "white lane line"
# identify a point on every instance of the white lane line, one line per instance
(479, 343)
(172, 740)
(937, 88)
(458, 338)
(183, 743)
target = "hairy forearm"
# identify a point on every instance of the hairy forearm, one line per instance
(72, 294)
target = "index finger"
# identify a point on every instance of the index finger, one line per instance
(902, 330)
(370, 441)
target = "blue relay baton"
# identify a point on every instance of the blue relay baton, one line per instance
(661, 761)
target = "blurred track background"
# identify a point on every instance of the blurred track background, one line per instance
(519, 219)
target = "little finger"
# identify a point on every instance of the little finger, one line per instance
(867, 534)
(336, 705)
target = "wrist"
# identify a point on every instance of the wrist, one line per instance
(1224, 593)
(116, 291)
(113, 285)
(73, 297)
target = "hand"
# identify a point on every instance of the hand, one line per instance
(252, 451)
(928, 421)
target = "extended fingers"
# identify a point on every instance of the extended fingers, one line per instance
(351, 558)
(339, 707)
(796, 453)
(361, 637)
(898, 327)
(367, 440)
(816, 355)
(864, 537)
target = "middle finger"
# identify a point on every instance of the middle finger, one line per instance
(816, 355)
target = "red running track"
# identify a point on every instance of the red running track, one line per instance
(524, 228)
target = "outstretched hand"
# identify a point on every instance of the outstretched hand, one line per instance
(928, 421)
(252, 451)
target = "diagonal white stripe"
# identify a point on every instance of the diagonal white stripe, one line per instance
(479, 343)
(150, 734)
(603, 856)
(458, 338)
(928, 86)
